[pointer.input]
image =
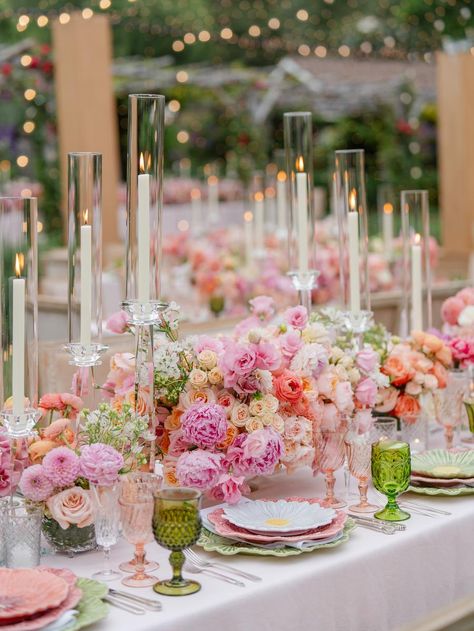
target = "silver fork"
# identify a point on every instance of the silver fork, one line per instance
(195, 569)
(194, 557)
(431, 509)
(378, 522)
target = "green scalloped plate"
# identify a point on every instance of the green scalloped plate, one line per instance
(215, 543)
(431, 490)
(91, 607)
(441, 463)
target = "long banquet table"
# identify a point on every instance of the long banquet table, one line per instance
(374, 582)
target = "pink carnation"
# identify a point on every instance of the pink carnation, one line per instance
(61, 466)
(118, 322)
(199, 469)
(101, 464)
(35, 485)
(263, 307)
(296, 317)
(204, 425)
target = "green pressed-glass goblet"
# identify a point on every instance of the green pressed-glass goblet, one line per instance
(176, 526)
(391, 469)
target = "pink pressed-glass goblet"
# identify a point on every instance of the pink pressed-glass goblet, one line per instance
(136, 517)
(359, 454)
(330, 457)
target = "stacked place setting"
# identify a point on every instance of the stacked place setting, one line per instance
(443, 472)
(281, 527)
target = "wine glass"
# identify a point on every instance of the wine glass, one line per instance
(136, 518)
(358, 452)
(330, 456)
(391, 469)
(107, 524)
(176, 526)
(134, 485)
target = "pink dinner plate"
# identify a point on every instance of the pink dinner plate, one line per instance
(226, 529)
(25, 592)
(421, 479)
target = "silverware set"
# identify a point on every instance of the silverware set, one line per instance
(423, 509)
(385, 527)
(197, 565)
(132, 603)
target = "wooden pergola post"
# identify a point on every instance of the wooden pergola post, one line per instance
(86, 109)
(455, 76)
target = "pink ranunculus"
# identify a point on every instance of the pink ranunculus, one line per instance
(238, 360)
(199, 469)
(204, 425)
(367, 360)
(57, 427)
(451, 309)
(73, 506)
(331, 418)
(366, 392)
(263, 307)
(51, 401)
(344, 397)
(290, 343)
(118, 322)
(268, 357)
(297, 317)
(73, 402)
(230, 487)
(263, 448)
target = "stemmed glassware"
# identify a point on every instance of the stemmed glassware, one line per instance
(176, 526)
(138, 487)
(330, 457)
(448, 407)
(391, 470)
(136, 518)
(107, 524)
(358, 452)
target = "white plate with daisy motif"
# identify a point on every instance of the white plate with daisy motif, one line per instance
(281, 516)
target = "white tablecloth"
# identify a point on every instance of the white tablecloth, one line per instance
(374, 582)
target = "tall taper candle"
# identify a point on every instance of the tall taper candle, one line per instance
(18, 341)
(248, 236)
(387, 229)
(143, 227)
(86, 281)
(416, 286)
(259, 222)
(302, 215)
(281, 201)
(354, 263)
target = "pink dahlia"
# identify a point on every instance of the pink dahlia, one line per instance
(101, 464)
(61, 466)
(204, 425)
(35, 484)
(199, 469)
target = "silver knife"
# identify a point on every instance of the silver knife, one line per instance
(148, 603)
(125, 606)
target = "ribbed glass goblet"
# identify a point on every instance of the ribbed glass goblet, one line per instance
(330, 457)
(136, 526)
(358, 452)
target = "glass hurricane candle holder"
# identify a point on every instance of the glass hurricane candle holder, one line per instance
(19, 314)
(85, 259)
(387, 216)
(417, 303)
(144, 207)
(391, 470)
(177, 526)
(351, 208)
(298, 138)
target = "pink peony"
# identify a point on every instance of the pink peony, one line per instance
(268, 357)
(204, 425)
(229, 487)
(297, 317)
(101, 464)
(263, 307)
(239, 360)
(35, 485)
(366, 392)
(462, 350)
(61, 466)
(199, 469)
(73, 506)
(178, 444)
(290, 343)
(451, 309)
(262, 449)
(118, 322)
(367, 360)
(343, 397)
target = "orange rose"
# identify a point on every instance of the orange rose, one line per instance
(142, 407)
(169, 473)
(398, 370)
(432, 343)
(407, 406)
(231, 434)
(288, 387)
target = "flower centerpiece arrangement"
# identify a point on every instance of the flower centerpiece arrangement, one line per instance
(240, 405)
(65, 460)
(457, 313)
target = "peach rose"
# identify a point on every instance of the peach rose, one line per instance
(398, 370)
(270, 403)
(288, 387)
(278, 423)
(253, 424)
(173, 420)
(432, 344)
(215, 376)
(198, 378)
(444, 355)
(207, 359)
(72, 506)
(231, 435)
(142, 405)
(256, 407)
(39, 449)
(386, 399)
(240, 415)
(201, 395)
(406, 406)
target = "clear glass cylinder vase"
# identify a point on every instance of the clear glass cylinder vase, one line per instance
(18, 312)
(85, 257)
(351, 208)
(298, 140)
(144, 206)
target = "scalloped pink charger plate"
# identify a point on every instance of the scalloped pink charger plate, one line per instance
(25, 592)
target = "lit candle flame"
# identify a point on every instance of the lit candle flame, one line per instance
(353, 200)
(212, 180)
(388, 208)
(86, 216)
(142, 163)
(259, 196)
(417, 239)
(248, 216)
(300, 164)
(281, 177)
(19, 262)
(195, 193)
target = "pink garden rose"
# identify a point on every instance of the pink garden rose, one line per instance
(73, 506)
(290, 343)
(118, 322)
(268, 357)
(263, 307)
(204, 425)
(451, 309)
(367, 360)
(366, 392)
(239, 360)
(199, 469)
(297, 317)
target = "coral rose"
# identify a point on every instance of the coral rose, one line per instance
(288, 387)
(407, 406)
(398, 370)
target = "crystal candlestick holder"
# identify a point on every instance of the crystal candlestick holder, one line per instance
(304, 285)
(85, 356)
(357, 324)
(144, 313)
(20, 425)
